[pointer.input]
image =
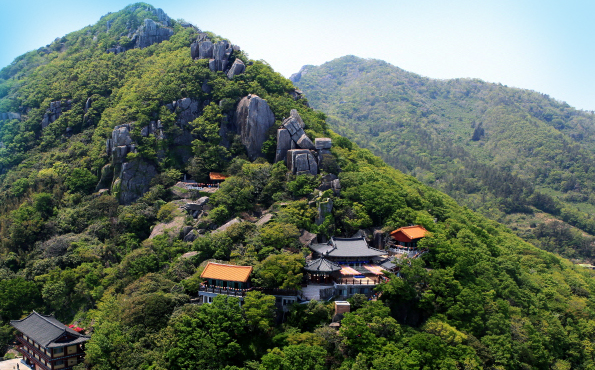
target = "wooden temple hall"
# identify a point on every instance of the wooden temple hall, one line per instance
(225, 279)
(350, 264)
(47, 344)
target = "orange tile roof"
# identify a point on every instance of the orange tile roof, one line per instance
(217, 176)
(376, 270)
(220, 271)
(346, 270)
(412, 232)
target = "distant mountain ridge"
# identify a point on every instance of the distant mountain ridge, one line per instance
(503, 151)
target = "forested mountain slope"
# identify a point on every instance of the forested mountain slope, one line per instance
(98, 128)
(517, 156)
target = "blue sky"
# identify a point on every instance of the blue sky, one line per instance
(544, 45)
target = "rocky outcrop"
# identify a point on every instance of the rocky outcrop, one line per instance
(253, 119)
(326, 160)
(9, 115)
(301, 162)
(325, 207)
(295, 147)
(188, 109)
(116, 49)
(191, 236)
(236, 68)
(219, 54)
(120, 144)
(195, 208)
(133, 181)
(290, 134)
(226, 225)
(331, 182)
(284, 144)
(55, 111)
(150, 33)
(378, 238)
(154, 128)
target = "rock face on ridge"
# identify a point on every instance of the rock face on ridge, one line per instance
(220, 54)
(295, 147)
(55, 111)
(131, 179)
(134, 180)
(237, 68)
(253, 119)
(151, 33)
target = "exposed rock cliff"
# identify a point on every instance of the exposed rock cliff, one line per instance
(220, 55)
(149, 33)
(133, 181)
(295, 147)
(253, 118)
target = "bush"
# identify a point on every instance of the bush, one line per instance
(81, 180)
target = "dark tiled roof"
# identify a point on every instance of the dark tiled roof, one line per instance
(389, 264)
(46, 329)
(322, 265)
(352, 247)
(321, 248)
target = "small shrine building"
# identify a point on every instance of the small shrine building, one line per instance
(408, 236)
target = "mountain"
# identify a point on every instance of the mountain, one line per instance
(101, 227)
(516, 156)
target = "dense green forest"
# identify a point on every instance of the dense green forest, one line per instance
(481, 298)
(516, 156)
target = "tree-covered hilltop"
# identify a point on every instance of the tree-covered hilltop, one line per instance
(122, 258)
(516, 156)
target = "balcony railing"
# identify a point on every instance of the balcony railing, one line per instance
(353, 281)
(223, 290)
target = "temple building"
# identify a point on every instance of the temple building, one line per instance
(347, 251)
(48, 344)
(321, 270)
(224, 279)
(349, 264)
(408, 236)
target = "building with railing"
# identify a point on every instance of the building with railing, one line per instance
(234, 281)
(349, 265)
(224, 279)
(47, 344)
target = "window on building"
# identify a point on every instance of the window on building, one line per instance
(58, 350)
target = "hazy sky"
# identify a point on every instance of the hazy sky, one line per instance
(544, 45)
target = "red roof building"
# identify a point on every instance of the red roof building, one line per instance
(224, 279)
(408, 236)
